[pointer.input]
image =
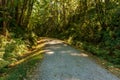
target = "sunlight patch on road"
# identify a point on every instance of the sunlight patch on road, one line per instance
(80, 54)
(71, 79)
(49, 52)
(55, 42)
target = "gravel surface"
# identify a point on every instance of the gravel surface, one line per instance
(62, 62)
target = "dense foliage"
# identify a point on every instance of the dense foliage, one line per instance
(90, 24)
(93, 25)
(14, 34)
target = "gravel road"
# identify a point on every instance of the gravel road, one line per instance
(62, 62)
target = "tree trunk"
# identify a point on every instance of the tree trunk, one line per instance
(4, 2)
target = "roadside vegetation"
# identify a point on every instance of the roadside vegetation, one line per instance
(92, 25)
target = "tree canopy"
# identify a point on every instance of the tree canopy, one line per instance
(93, 25)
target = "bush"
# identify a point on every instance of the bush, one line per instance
(3, 41)
(3, 63)
(14, 49)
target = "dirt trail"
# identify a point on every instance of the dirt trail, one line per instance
(62, 62)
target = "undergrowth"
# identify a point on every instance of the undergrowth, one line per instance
(21, 71)
(10, 50)
(109, 53)
(14, 64)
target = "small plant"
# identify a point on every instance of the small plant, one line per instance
(14, 49)
(3, 63)
(3, 41)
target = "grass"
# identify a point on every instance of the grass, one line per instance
(20, 71)
(22, 68)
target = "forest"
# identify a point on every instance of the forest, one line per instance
(92, 25)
